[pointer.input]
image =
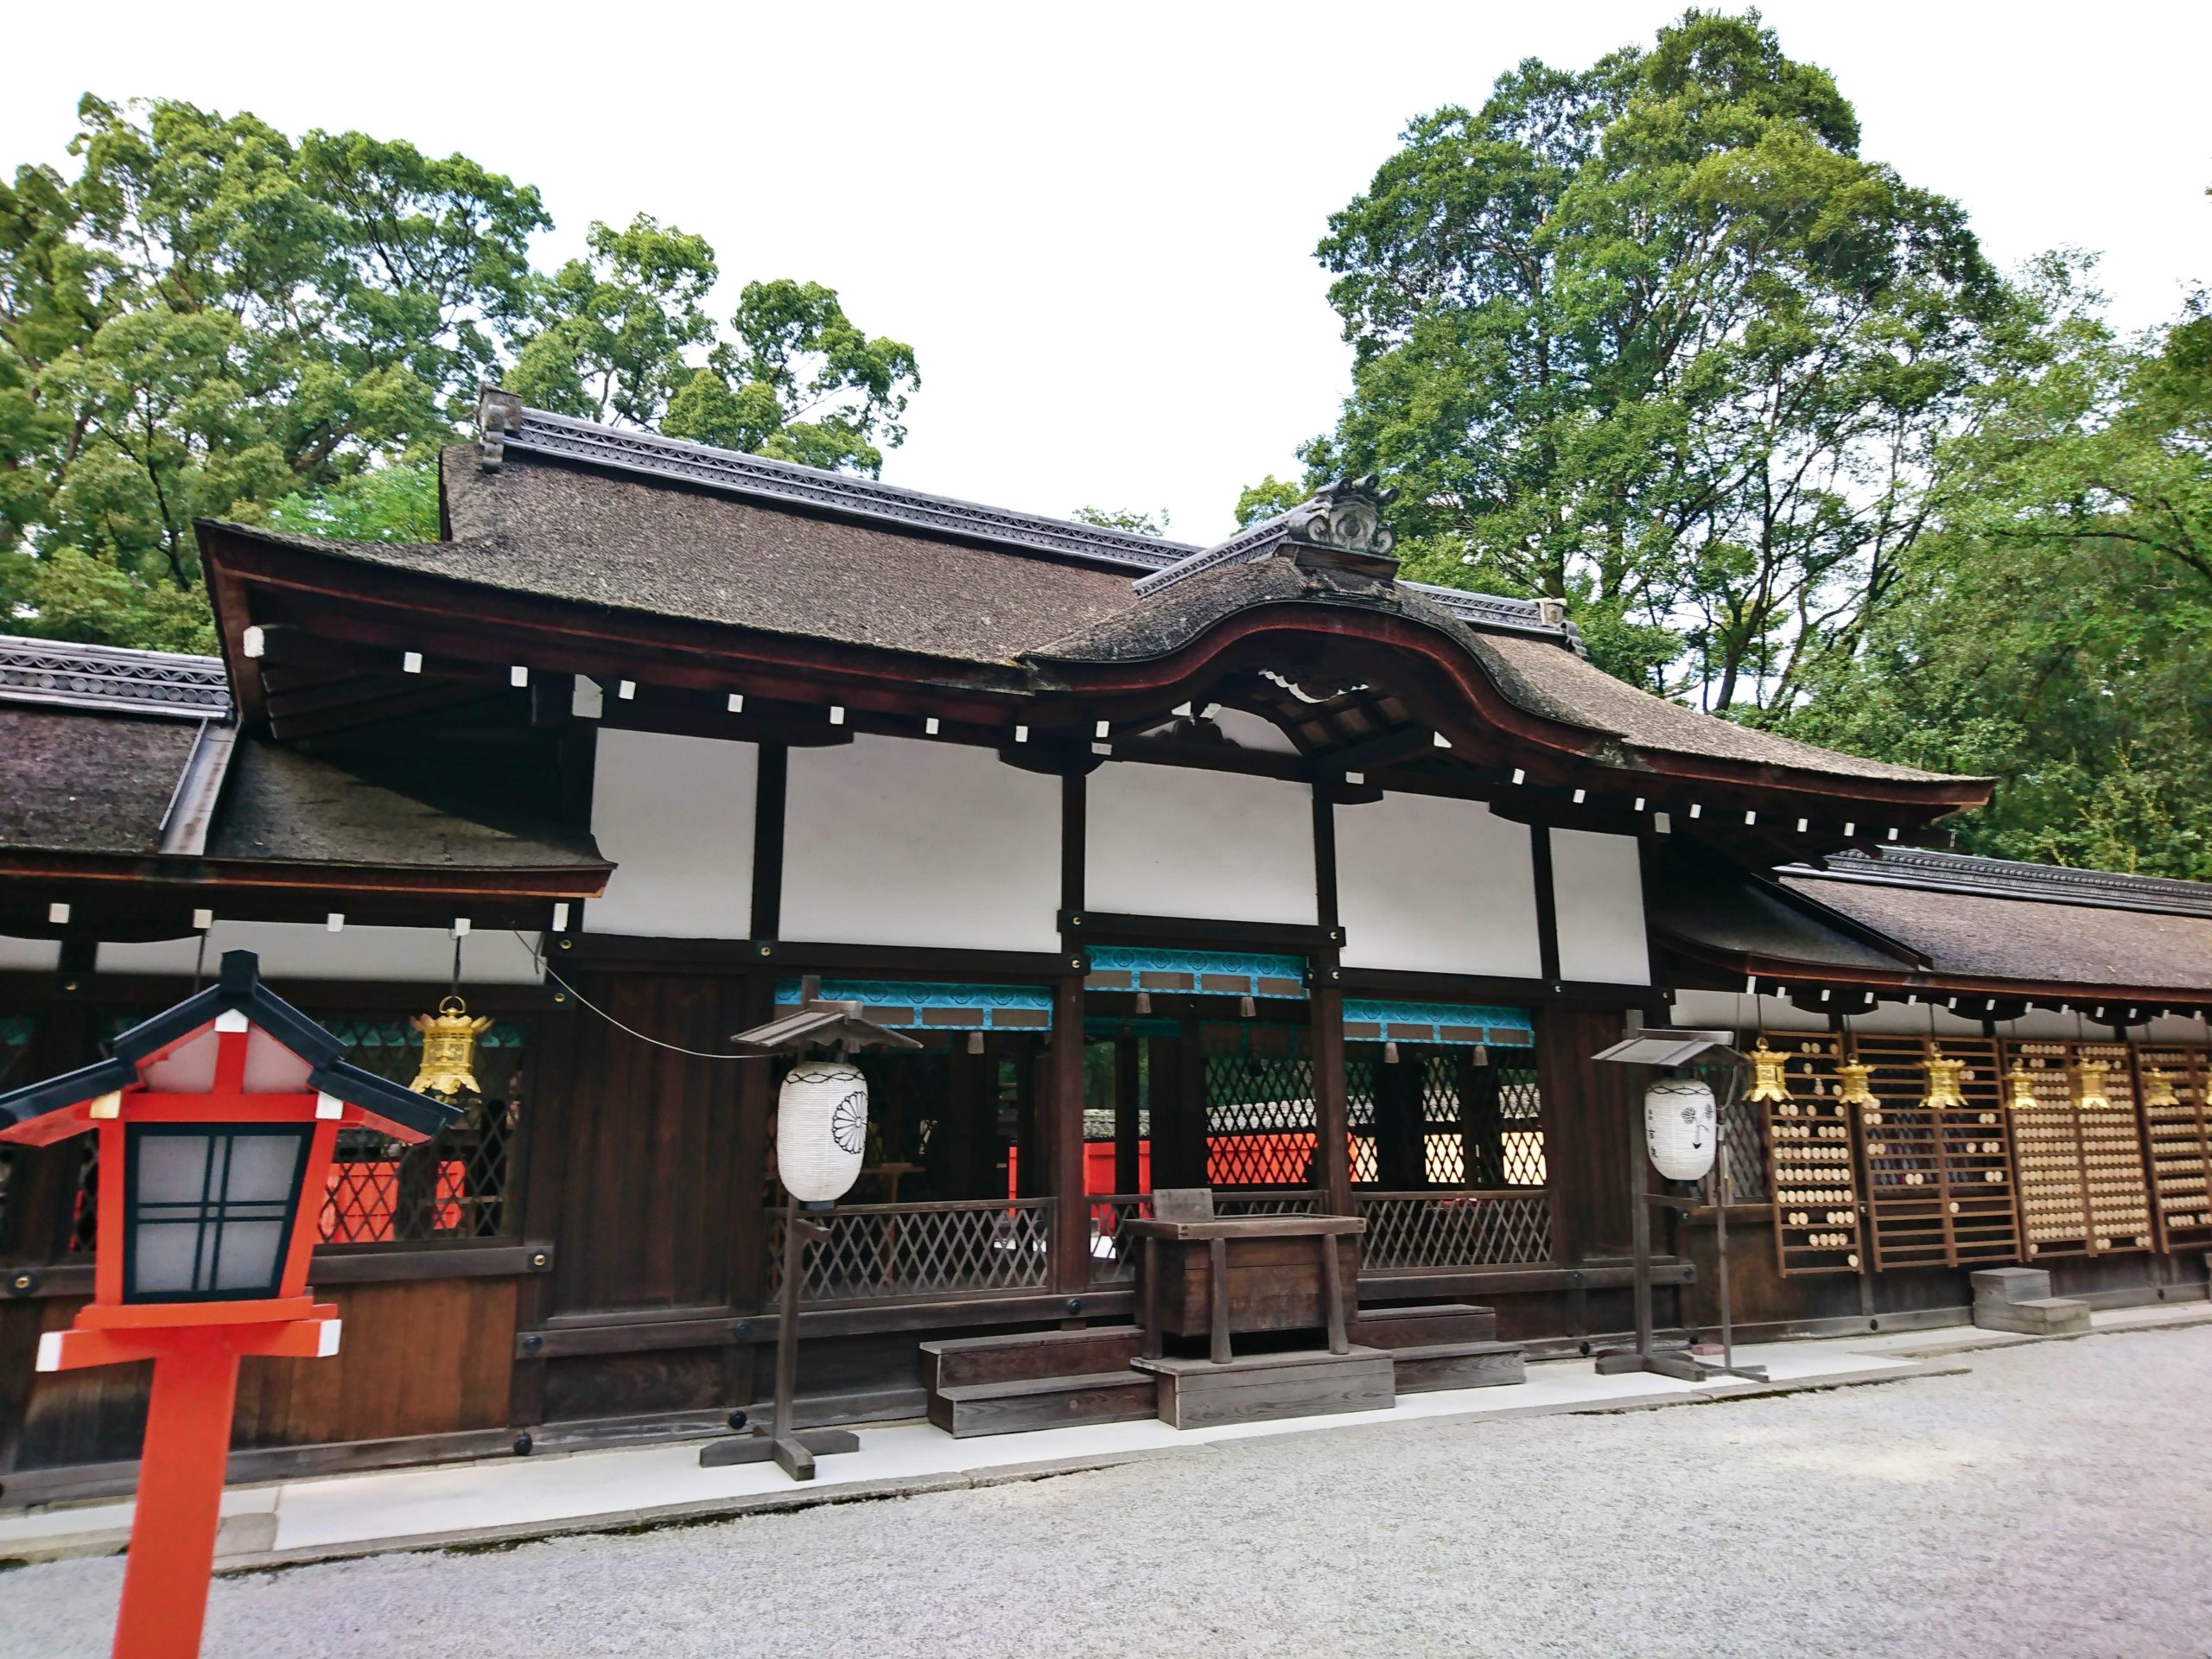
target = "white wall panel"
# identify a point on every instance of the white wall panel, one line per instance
(1223, 846)
(1597, 896)
(675, 814)
(890, 841)
(1428, 885)
(310, 950)
(35, 955)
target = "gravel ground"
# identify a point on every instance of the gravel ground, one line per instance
(2056, 1502)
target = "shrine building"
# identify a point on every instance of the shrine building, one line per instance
(1253, 867)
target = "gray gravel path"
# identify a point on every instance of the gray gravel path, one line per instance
(2056, 1502)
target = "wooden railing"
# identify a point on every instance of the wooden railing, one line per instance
(904, 1252)
(1509, 1227)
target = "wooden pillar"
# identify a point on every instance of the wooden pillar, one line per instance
(1128, 1103)
(1062, 1106)
(1164, 1069)
(1399, 1164)
(1191, 1123)
(540, 1173)
(1481, 1124)
(1325, 1001)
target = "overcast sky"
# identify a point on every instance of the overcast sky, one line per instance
(1095, 225)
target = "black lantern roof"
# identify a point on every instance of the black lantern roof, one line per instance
(238, 988)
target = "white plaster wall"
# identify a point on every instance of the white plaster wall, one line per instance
(36, 956)
(1430, 885)
(1221, 846)
(1250, 731)
(675, 814)
(892, 841)
(1598, 897)
(311, 950)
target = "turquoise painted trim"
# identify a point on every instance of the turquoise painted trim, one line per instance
(1252, 967)
(921, 995)
(1395, 1016)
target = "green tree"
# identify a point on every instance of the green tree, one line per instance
(1142, 524)
(800, 382)
(1652, 337)
(211, 316)
(395, 503)
(1269, 498)
(2054, 629)
(609, 331)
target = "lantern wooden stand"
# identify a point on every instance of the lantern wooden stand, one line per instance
(217, 1121)
(1673, 1048)
(838, 1027)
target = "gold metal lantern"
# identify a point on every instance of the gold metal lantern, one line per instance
(2158, 1088)
(1767, 1080)
(2021, 1084)
(448, 1049)
(1945, 1082)
(1857, 1091)
(2088, 1077)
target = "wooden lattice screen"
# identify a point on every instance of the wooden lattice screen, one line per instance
(1939, 1182)
(1810, 1169)
(2082, 1186)
(2179, 1141)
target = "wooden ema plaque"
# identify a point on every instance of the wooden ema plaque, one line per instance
(2082, 1186)
(1810, 1165)
(2179, 1141)
(1939, 1178)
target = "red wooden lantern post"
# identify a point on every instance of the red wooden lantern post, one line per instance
(216, 1121)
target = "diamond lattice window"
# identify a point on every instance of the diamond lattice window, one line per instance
(383, 1191)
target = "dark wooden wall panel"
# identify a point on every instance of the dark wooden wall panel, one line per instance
(651, 1186)
(1586, 1118)
(422, 1358)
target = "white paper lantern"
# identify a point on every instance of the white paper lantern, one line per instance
(1680, 1127)
(821, 1129)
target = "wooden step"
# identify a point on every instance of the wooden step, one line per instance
(1256, 1388)
(1427, 1366)
(1410, 1327)
(968, 1409)
(964, 1362)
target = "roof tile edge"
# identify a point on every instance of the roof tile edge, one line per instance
(1997, 878)
(60, 673)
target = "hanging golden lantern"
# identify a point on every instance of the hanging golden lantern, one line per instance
(1767, 1080)
(1943, 1082)
(2022, 1083)
(2088, 1077)
(2158, 1088)
(448, 1049)
(1857, 1091)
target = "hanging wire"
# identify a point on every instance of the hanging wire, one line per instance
(546, 968)
(199, 964)
(457, 939)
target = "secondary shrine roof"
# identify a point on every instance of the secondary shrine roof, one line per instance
(1914, 916)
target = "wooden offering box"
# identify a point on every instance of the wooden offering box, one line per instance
(1252, 1274)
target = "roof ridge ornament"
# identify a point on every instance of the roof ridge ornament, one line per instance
(1336, 535)
(498, 414)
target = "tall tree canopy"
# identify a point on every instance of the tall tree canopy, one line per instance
(212, 318)
(2055, 629)
(1652, 337)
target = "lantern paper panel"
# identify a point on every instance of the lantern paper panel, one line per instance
(209, 1209)
(821, 1129)
(1680, 1127)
